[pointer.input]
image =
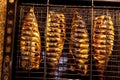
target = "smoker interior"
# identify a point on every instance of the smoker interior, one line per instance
(88, 13)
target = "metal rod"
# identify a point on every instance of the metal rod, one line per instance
(92, 15)
(71, 6)
(45, 63)
(53, 5)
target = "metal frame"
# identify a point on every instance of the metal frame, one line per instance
(7, 65)
(9, 40)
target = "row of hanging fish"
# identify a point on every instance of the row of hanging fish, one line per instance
(55, 33)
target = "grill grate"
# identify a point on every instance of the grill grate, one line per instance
(112, 71)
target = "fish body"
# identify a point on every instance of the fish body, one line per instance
(79, 45)
(30, 42)
(103, 41)
(54, 39)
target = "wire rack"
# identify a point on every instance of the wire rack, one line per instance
(88, 13)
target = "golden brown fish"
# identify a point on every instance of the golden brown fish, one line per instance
(30, 43)
(103, 40)
(79, 45)
(54, 37)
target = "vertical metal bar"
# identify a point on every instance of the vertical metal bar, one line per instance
(92, 18)
(45, 61)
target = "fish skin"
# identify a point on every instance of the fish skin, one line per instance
(30, 43)
(79, 45)
(54, 38)
(103, 42)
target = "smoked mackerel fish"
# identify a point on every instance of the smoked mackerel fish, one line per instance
(103, 41)
(79, 45)
(54, 39)
(30, 42)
